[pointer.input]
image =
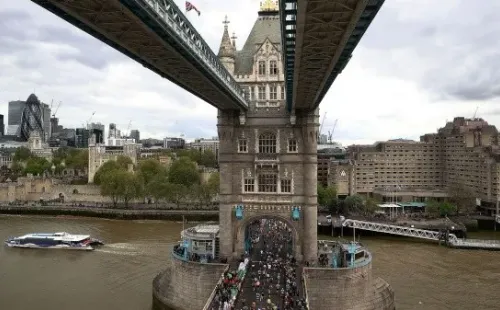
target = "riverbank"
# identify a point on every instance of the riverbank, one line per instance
(114, 213)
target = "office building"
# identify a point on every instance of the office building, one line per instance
(16, 109)
(206, 144)
(2, 126)
(46, 122)
(173, 143)
(136, 135)
(113, 132)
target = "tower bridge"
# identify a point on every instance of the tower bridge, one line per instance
(267, 95)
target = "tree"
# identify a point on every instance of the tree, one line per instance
(176, 193)
(157, 187)
(124, 161)
(192, 154)
(37, 166)
(446, 209)
(326, 195)
(208, 159)
(77, 159)
(111, 185)
(183, 171)
(432, 208)
(370, 206)
(213, 183)
(149, 169)
(120, 184)
(22, 154)
(108, 166)
(354, 202)
(463, 197)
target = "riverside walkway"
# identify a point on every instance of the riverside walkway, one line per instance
(407, 231)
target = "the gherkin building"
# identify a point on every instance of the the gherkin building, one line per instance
(31, 119)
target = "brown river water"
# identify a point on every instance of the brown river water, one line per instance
(119, 275)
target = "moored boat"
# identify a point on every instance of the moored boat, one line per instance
(58, 240)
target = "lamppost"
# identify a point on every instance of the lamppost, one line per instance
(53, 169)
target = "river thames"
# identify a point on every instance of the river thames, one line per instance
(118, 275)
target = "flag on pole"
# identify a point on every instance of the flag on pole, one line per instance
(190, 6)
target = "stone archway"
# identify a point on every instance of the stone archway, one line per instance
(241, 225)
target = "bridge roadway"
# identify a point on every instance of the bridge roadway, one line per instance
(158, 35)
(271, 280)
(450, 239)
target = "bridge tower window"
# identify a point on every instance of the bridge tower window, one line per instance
(251, 94)
(262, 93)
(283, 92)
(249, 186)
(273, 92)
(292, 145)
(273, 67)
(242, 145)
(262, 67)
(286, 186)
(267, 143)
(268, 183)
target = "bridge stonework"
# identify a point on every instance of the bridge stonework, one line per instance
(267, 154)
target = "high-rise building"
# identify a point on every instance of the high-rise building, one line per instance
(32, 118)
(136, 135)
(113, 132)
(16, 109)
(46, 121)
(2, 125)
(82, 138)
(465, 154)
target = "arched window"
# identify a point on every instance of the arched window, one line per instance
(267, 143)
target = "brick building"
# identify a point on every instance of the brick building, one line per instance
(464, 153)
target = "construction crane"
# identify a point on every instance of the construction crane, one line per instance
(330, 133)
(128, 128)
(57, 109)
(321, 126)
(475, 112)
(90, 119)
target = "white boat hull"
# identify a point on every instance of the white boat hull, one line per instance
(58, 247)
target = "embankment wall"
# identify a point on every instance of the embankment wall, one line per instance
(347, 289)
(128, 214)
(185, 285)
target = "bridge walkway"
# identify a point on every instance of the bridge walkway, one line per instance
(450, 239)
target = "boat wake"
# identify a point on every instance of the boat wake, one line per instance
(119, 249)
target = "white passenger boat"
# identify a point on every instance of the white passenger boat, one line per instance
(58, 240)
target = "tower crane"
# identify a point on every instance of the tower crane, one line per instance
(90, 119)
(475, 112)
(128, 128)
(57, 109)
(330, 133)
(321, 126)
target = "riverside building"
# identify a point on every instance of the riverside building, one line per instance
(464, 153)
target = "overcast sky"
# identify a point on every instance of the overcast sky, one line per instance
(421, 62)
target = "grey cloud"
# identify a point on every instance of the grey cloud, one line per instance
(453, 52)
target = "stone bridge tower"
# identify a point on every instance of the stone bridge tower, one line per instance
(268, 157)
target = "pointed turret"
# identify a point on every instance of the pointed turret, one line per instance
(227, 51)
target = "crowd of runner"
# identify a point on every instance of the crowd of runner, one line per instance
(272, 281)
